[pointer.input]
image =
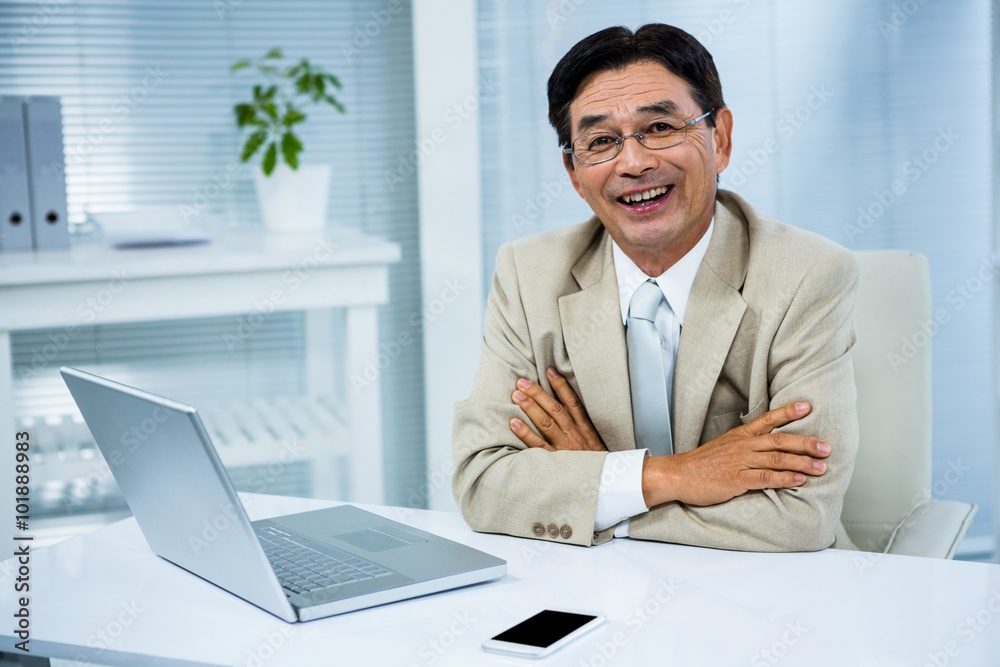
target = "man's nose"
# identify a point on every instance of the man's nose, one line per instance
(634, 158)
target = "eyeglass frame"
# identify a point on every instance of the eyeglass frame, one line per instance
(639, 137)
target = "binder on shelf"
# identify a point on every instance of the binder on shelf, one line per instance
(46, 165)
(15, 199)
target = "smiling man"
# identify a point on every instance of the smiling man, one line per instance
(678, 367)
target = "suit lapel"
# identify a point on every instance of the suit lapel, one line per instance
(595, 341)
(714, 312)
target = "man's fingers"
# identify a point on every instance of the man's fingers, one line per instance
(527, 436)
(781, 462)
(542, 420)
(772, 479)
(553, 409)
(560, 429)
(772, 419)
(569, 399)
(793, 444)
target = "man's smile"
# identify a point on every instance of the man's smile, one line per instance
(645, 200)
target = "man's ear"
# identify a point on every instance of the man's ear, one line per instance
(723, 135)
(571, 170)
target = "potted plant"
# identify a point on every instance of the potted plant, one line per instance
(292, 196)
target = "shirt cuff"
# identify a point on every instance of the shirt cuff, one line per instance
(619, 495)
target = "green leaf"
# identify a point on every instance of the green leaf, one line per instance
(335, 104)
(291, 142)
(292, 116)
(253, 144)
(290, 149)
(273, 109)
(270, 158)
(246, 114)
(302, 83)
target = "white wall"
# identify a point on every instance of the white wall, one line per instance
(448, 95)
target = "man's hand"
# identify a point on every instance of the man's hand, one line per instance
(746, 458)
(563, 424)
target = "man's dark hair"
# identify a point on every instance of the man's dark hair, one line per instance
(617, 48)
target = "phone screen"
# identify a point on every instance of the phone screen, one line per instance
(544, 628)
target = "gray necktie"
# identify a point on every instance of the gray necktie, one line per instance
(650, 391)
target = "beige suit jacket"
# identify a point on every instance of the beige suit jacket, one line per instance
(769, 321)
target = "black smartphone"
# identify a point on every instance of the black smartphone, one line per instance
(545, 632)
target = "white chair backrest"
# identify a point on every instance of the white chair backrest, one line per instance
(892, 369)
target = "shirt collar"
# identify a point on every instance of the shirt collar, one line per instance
(675, 282)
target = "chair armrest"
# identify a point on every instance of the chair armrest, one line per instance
(933, 530)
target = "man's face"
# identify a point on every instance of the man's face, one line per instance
(658, 231)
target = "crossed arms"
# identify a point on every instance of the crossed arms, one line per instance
(749, 457)
(771, 480)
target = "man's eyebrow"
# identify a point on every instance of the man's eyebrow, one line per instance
(590, 121)
(662, 108)
(666, 107)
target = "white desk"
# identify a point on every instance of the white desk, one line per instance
(105, 598)
(235, 274)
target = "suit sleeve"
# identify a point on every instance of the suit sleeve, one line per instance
(809, 359)
(502, 486)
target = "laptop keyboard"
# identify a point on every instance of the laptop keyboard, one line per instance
(302, 570)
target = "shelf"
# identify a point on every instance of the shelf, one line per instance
(244, 273)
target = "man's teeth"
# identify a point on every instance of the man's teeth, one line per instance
(642, 196)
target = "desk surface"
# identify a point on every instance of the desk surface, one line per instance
(105, 598)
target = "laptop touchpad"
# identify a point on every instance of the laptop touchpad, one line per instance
(373, 540)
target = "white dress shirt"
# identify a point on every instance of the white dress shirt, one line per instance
(619, 496)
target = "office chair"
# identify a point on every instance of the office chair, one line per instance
(888, 506)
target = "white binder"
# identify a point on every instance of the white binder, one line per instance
(15, 202)
(46, 164)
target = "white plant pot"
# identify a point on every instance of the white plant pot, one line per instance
(293, 201)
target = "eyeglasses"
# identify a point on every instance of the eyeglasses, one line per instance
(656, 135)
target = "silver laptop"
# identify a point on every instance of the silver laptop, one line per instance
(298, 567)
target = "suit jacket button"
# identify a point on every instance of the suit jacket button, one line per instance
(538, 529)
(553, 530)
(566, 532)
